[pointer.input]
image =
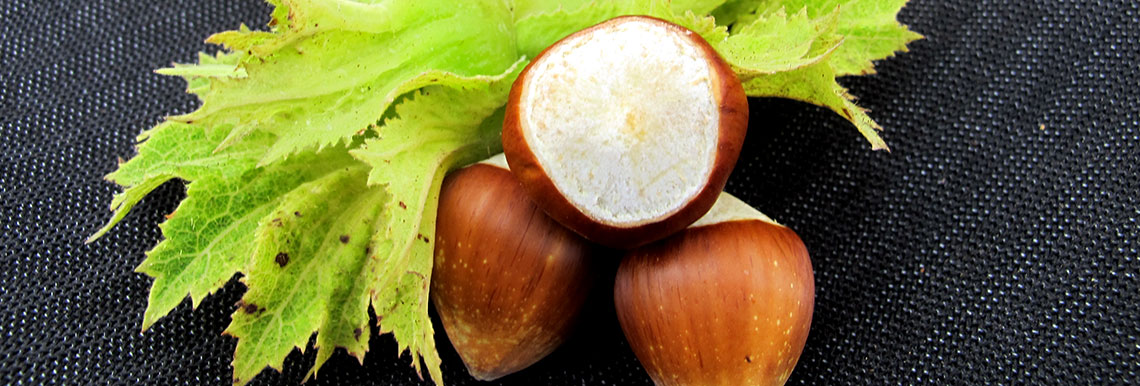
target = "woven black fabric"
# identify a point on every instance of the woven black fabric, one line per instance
(996, 243)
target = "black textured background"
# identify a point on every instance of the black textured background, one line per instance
(996, 243)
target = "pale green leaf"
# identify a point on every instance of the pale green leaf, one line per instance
(778, 42)
(526, 8)
(402, 313)
(871, 32)
(870, 28)
(539, 30)
(438, 129)
(175, 150)
(209, 237)
(122, 203)
(732, 10)
(699, 7)
(307, 253)
(187, 152)
(345, 324)
(792, 55)
(340, 64)
(816, 84)
(703, 25)
(223, 65)
(205, 70)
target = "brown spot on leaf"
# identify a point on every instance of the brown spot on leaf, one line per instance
(298, 214)
(344, 239)
(248, 308)
(748, 358)
(276, 222)
(402, 205)
(282, 259)
(422, 237)
(367, 249)
(356, 333)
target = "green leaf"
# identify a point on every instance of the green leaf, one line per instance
(223, 65)
(187, 152)
(791, 56)
(703, 25)
(438, 129)
(334, 306)
(870, 29)
(338, 65)
(779, 42)
(732, 10)
(541, 23)
(209, 237)
(871, 33)
(122, 203)
(699, 7)
(816, 84)
(307, 255)
(176, 150)
(541, 28)
(526, 8)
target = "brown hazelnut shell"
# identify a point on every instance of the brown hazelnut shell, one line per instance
(508, 282)
(723, 304)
